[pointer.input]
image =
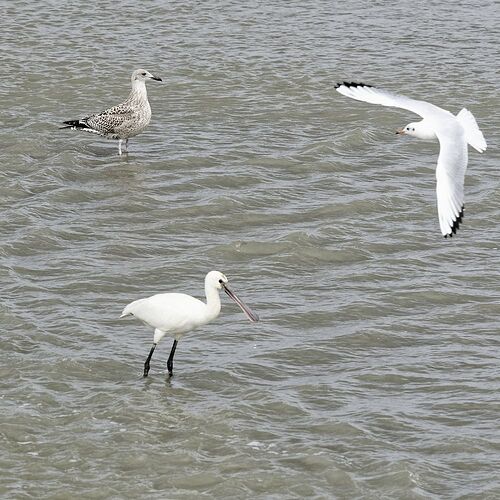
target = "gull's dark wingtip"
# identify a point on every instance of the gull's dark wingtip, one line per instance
(456, 224)
(352, 84)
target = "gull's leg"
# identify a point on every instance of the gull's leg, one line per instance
(146, 364)
(119, 147)
(170, 362)
(126, 145)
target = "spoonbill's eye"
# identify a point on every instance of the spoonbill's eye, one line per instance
(221, 281)
(408, 128)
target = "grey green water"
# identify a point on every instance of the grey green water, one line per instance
(375, 371)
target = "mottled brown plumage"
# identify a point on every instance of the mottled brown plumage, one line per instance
(125, 120)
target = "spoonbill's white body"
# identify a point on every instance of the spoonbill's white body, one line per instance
(176, 313)
(452, 132)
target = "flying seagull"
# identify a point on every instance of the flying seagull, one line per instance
(453, 134)
(125, 120)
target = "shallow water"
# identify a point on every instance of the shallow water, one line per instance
(374, 372)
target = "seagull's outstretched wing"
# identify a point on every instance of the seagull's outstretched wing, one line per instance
(452, 161)
(450, 175)
(373, 95)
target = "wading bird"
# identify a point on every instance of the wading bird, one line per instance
(125, 120)
(453, 134)
(177, 313)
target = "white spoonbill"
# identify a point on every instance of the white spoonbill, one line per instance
(453, 134)
(177, 313)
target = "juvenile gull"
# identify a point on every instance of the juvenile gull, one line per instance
(125, 120)
(453, 134)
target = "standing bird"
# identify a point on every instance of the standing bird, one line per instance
(453, 134)
(125, 120)
(178, 313)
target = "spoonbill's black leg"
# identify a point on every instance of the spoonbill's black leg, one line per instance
(170, 362)
(146, 364)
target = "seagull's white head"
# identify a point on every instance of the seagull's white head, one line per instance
(142, 75)
(420, 130)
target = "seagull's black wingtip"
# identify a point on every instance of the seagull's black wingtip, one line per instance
(352, 84)
(457, 221)
(456, 224)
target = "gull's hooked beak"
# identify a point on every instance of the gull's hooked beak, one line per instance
(400, 131)
(253, 317)
(157, 78)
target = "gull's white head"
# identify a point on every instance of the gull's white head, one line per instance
(142, 75)
(420, 130)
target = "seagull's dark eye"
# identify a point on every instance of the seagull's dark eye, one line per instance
(413, 129)
(143, 74)
(408, 128)
(221, 281)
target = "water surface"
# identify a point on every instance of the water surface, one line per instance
(374, 372)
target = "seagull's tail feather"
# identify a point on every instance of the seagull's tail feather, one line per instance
(78, 125)
(473, 135)
(74, 124)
